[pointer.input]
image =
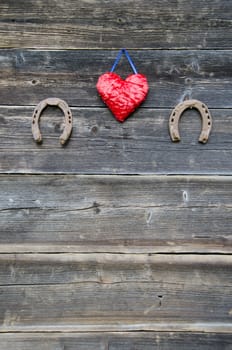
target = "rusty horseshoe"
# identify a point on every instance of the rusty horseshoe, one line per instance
(178, 111)
(67, 114)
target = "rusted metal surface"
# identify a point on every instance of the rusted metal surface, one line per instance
(179, 110)
(37, 114)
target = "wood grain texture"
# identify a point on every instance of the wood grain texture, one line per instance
(44, 292)
(165, 341)
(101, 145)
(115, 213)
(107, 24)
(102, 261)
(28, 76)
(114, 341)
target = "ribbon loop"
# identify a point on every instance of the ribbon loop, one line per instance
(121, 52)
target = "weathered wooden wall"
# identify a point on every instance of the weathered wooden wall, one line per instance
(121, 239)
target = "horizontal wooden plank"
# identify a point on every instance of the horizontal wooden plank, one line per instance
(137, 23)
(86, 341)
(103, 268)
(116, 341)
(115, 213)
(86, 291)
(100, 145)
(132, 325)
(164, 341)
(28, 76)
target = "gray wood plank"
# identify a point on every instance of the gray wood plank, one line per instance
(114, 290)
(107, 24)
(175, 341)
(28, 76)
(115, 213)
(116, 341)
(100, 145)
(58, 341)
(185, 298)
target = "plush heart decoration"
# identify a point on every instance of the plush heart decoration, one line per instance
(122, 96)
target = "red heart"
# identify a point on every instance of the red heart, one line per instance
(122, 96)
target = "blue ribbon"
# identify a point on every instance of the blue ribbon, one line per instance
(121, 52)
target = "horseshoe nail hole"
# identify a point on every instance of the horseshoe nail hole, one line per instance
(172, 120)
(209, 123)
(34, 81)
(208, 117)
(33, 122)
(70, 121)
(203, 106)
